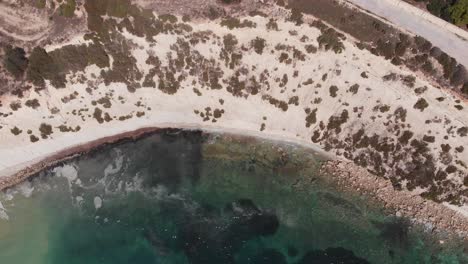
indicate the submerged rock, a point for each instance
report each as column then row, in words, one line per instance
column 332, row 255
column 216, row 239
column 269, row 256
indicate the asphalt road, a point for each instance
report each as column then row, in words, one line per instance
column 449, row 38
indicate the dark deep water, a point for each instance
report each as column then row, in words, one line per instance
column 188, row 197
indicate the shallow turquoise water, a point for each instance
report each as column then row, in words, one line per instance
column 170, row 198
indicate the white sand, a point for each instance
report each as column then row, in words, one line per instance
column 241, row 115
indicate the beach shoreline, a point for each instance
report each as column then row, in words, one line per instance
column 434, row 218
column 20, row 174
column 15, row 175
column 358, row 109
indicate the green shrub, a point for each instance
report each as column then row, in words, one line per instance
column 296, row 17
column 311, row 48
column 168, row 18
column 68, row 9
column 464, row 89
column 15, row 61
column 258, row 44
column 34, row 103
column 459, row 12
column 330, row 40
column 46, row 130
column 401, row 48
column 55, row 65
column 40, row 66
column 459, row 76
column 448, row 63
column 386, row 49
column 423, row 44
column 421, row 104
column 272, row 25
column 333, row 90
column 40, row 3
column 16, row 131
column 232, row 22
column 437, row 7
column 230, row 1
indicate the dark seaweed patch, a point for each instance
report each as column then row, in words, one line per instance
column 331, row 255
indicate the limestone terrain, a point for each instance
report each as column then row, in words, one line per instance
column 283, row 74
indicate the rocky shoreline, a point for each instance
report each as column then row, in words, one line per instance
column 328, row 90
column 436, row 218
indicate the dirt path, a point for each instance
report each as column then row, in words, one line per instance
column 26, row 25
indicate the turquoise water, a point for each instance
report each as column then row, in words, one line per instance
column 187, row 197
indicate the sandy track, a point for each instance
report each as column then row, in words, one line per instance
column 26, row 24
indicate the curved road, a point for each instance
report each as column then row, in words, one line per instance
column 449, row 38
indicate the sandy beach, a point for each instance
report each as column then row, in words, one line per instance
column 355, row 107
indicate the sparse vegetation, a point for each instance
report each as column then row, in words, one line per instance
column 168, row 18
column 64, row 128
column 277, row 103
column 232, row 22
column 294, row 100
column 40, row 4
column 54, row 66
column 186, row 66
column 208, row 114
column 230, row 1
column 408, row 80
column 272, row 25
column 464, row 89
column 335, row 122
column 67, row 8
